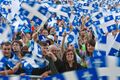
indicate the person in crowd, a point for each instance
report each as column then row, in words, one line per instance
column 30, row 65
column 44, row 32
column 68, row 62
column 25, row 37
column 90, row 45
column 54, row 49
column 9, row 59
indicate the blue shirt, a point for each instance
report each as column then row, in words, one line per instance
column 30, row 62
column 8, row 63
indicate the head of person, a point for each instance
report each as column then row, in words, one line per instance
column 69, row 56
column 6, row 48
column 44, row 32
column 28, row 35
column 25, row 50
column 44, row 48
column 70, row 47
column 90, row 47
column 53, row 49
column 52, row 31
column 83, row 32
column 16, row 46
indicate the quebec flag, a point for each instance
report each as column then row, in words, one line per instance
column 107, row 67
column 5, row 31
column 103, row 68
column 35, row 12
column 108, row 24
column 103, row 45
column 114, row 51
column 9, row 9
column 87, row 74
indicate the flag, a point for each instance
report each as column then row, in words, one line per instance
column 35, row 48
column 72, row 38
column 60, row 10
column 103, row 45
column 107, row 67
column 52, row 21
column 8, row 10
column 115, row 48
column 109, row 24
column 59, row 32
column 35, row 12
column 76, row 75
column 87, row 74
column 5, row 31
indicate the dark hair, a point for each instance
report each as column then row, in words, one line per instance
column 90, row 42
column 19, row 42
column 25, row 50
column 65, row 60
column 6, row 44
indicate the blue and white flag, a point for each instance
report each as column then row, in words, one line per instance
column 72, row 38
column 108, row 24
column 60, row 10
column 5, row 31
column 103, row 45
column 35, row 48
column 35, row 12
column 9, row 9
column 115, row 48
column 107, row 67
column 88, row 74
column 59, row 32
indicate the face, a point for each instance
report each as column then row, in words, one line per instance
column 82, row 33
column 6, row 49
column 44, row 50
column 45, row 32
column 28, row 36
column 52, row 30
column 16, row 47
column 54, row 50
column 70, row 47
column 90, row 48
column 85, row 40
column 70, row 56
column 55, row 37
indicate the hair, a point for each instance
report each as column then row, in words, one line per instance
column 66, row 62
column 25, row 50
column 92, row 43
column 6, row 44
column 19, row 42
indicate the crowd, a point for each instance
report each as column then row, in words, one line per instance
column 38, row 52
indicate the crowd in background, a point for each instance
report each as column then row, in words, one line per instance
column 22, row 56
column 38, row 53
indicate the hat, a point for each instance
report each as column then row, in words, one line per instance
column 50, row 37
